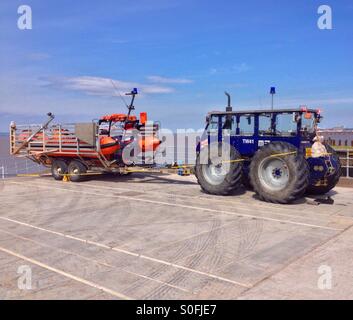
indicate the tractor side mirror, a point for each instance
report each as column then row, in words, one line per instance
column 207, row 119
column 249, row 120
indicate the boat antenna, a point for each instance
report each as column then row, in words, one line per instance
column 116, row 90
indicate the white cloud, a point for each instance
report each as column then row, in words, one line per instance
column 238, row 85
column 119, row 41
column 332, row 101
column 158, row 79
column 297, row 102
column 243, row 67
column 236, row 68
column 38, row 56
column 103, row 86
column 313, row 103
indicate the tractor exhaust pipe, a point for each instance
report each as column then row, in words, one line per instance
column 229, row 107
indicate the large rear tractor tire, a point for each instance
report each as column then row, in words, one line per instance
column 58, row 169
column 76, row 171
column 246, row 182
column 332, row 180
column 219, row 175
column 278, row 173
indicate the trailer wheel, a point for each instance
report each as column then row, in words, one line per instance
column 332, row 180
column 76, row 170
column 219, row 176
column 278, row 173
column 58, row 169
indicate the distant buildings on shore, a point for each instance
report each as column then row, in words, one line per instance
column 338, row 137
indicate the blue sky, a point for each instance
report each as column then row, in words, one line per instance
column 181, row 54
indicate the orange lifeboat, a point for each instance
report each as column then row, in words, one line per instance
column 109, row 145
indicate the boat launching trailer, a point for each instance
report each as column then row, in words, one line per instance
column 117, row 143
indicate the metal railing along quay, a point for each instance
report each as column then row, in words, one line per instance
column 13, row 167
column 346, row 157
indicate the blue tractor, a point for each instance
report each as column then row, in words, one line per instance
column 276, row 152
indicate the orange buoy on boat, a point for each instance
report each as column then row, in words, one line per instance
column 109, row 145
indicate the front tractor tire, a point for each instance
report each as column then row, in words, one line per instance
column 278, row 173
column 76, row 171
column 331, row 180
column 58, row 169
column 219, row 175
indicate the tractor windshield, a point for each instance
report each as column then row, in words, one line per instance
column 278, row 124
column 286, row 124
column 308, row 122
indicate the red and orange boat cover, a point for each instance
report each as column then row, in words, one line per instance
column 115, row 117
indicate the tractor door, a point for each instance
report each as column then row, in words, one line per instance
column 278, row 126
column 244, row 140
column 214, row 132
column 221, row 128
column 228, row 128
column 266, row 129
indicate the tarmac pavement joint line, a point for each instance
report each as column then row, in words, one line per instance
column 258, row 204
column 208, row 198
column 67, row 275
column 96, row 261
column 130, row 253
column 224, row 202
column 298, row 260
column 190, row 207
column 269, row 206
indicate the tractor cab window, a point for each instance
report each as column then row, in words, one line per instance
column 265, row 125
column 246, row 125
column 308, row 122
column 228, row 124
column 212, row 128
column 213, row 123
column 286, row 124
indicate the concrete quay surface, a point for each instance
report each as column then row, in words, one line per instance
column 157, row 236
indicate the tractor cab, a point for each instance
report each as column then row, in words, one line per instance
column 250, row 130
column 275, row 152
